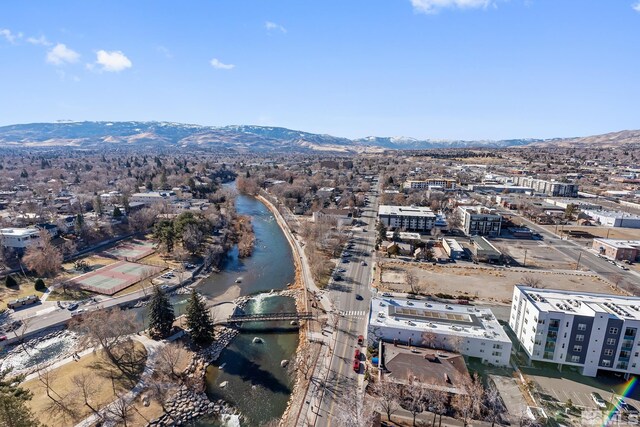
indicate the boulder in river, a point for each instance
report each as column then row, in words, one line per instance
column 224, row 384
column 257, row 340
column 284, row 363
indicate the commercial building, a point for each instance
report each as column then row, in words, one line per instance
column 408, row 218
column 613, row 218
column 480, row 221
column 587, row 330
column 484, row 251
column 550, row 188
column 471, row 331
column 444, row 183
column 151, row 197
column 343, row 217
column 578, row 203
column 452, row 248
column 501, row 188
column 619, row 250
column 19, row 238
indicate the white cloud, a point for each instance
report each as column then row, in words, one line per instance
column 41, row 41
column 215, row 63
column 433, row 6
column 166, row 52
column 61, row 54
column 636, row 6
column 10, row 36
column 113, row 61
column 272, row 26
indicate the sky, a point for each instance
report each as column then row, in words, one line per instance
column 439, row 69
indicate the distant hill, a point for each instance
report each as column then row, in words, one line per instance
column 607, row 140
column 245, row 138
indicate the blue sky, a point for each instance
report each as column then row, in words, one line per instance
column 468, row 69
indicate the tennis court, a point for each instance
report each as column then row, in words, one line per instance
column 115, row 277
column 131, row 251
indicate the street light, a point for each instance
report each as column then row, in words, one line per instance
column 524, row 263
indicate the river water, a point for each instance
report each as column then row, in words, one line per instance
column 257, row 385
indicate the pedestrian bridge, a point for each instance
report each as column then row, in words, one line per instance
column 268, row 317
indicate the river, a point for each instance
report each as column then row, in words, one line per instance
column 257, row 385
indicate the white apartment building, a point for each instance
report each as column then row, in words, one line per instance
column 445, row 183
column 153, row 197
column 588, row 330
column 480, row 221
column 409, row 218
column 452, row 248
column 19, row 238
column 471, row 331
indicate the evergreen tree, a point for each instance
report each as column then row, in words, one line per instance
column 39, row 285
column 199, row 320
column 14, row 411
column 11, row 282
column 161, row 314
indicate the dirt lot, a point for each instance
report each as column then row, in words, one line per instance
column 614, row 232
column 539, row 254
column 485, row 283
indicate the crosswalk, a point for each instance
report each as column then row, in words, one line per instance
column 354, row 313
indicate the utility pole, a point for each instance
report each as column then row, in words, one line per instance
column 579, row 256
column 524, row 263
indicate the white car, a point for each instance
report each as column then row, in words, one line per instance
column 599, row 401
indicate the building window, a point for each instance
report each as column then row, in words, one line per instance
column 611, row 341
column 575, row 359
column 608, row 352
column 577, row 348
column 582, row 326
column 579, row 338
column 498, row 346
column 496, row 353
column 613, row 331
column 606, row 362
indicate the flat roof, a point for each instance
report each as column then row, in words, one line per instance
column 439, row 318
column 418, row 211
column 582, row 303
column 611, row 214
column 484, row 244
column 18, row 232
column 619, row 243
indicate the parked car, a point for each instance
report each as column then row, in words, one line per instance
column 356, row 365
column 363, row 263
column 360, row 339
column 599, row 401
column 3, row 337
column 359, row 297
column 356, row 355
column 72, row 306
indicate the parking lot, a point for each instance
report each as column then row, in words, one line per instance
column 559, row 387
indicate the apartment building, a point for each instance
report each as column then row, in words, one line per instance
column 550, row 188
column 19, row 239
column 444, row 183
column 587, row 330
column 408, row 218
column 151, row 197
column 471, row 331
column 480, row 221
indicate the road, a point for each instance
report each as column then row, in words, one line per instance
column 351, row 298
column 627, row 280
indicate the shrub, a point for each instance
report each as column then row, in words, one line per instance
column 11, row 282
column 40, row 286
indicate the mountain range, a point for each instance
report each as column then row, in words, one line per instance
column 253, row 138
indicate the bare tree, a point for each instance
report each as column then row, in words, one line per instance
column 439, row 404
column 387, row 397
column 495, row 406
column 531, row 281
column 354, row 410
column 120, row 411
column 87, row 388
column 44, row 258
column 60, row 405
column 468, row 403
column 304, row 360
column 414, row 396
column 170, row 357
column 429, row 339
column 106, row 328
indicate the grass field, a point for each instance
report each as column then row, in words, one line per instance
column 61, row 379
column 25, row 288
